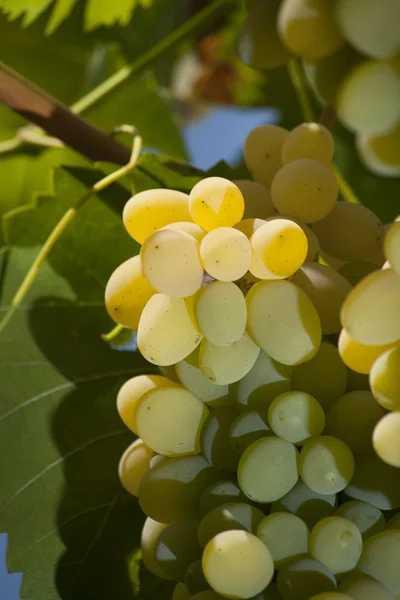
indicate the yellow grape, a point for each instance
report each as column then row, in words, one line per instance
column 183, row 412
column 132, row 391
column 312, row 240
column 336, row 232
column 309, row 29
column 134, row 463
column 257, row 199
column 308, row 140
column 371, row 312
column 279, row 249
column 359, row 357
column 150, row 210
column 225, row 253
column 157, row 335
column 127, row 293
column 225, row 365
column 283, row 321
column 187, row 227
column 386, row 439
column 391, row 247
column 216, row 202
column 327, row 290
column 249, row 226
column 381, row 153
column 259, row 44
column 371, row 26
column 368, row 99
column 171, row 263
column 384, row 379
column 262, row 152
column 221, row 313
column 305, row 189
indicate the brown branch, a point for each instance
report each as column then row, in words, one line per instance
column 35, row 105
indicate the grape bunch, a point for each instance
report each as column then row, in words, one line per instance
column 267, row 458
column 351, row 54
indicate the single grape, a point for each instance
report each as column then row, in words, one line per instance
column 237, row 564
column 384, row 379
column 257, row 199
column 127, row 293
column 133, row 465
column 181, row 592
column 150, row 210
column 285, row 535
column 359, row 357
column 380, row 559
column 375, row 482
column 356, row 270
column 183, row 412
column 304, row 189
column 187, row 227
column 283, row 321
column 225, row 253
column 215, row 202
column 304, row 577
column 386, row 439
column 151, row 531
column 268, row 469
column 337, row 543
column 226, row 364
column 239, row 516
column 326, row 464
column 262, row 152
column 380, row 153
column 308, row 140
column 296, row 417
column 368, row 518
column 363, row 587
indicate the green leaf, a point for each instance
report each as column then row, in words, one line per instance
column 104, row 12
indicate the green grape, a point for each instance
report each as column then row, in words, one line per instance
column 308, row 140
column 225, row 253
column 370, row 313
column 283, row 321
column 327, row 290
column 257, row 199
column 359, row 357
column 177, row 547
column 214, row 440
column 268, row 469
column 171, row 263
column 309, row 29
column 220, row 492
column 336, row 232
column 279, row 248
column 358, row 408
column 356, row 270
column 262, row 152
column 386, row 439
column 150, row 210
column 326, row 464
column 132, row 391
column 215, row 202
column 192, row 378
column 181, row 592
column 296, row 417
column 227, row 517
column 327, row 74
column 134, row 464
column 285, row 535
column 380, row 559
column 371, row 26
column 305, row 189
column 183, row 412
column 224, row 365
column 304, row 577
column 368, row 518
column 249, row 226
column 356, row 381
column 161, row 318
column 266, row 379
column 170, row 490
column 194, row 578
column 248, row 427
column 259, row 44
column 221, row 313
column 207, row 595
column 368, row 98
column 237, row 564
column 375, row 482
column 306, row 504
column 151, row 531
column 384, row 379
column 270, row 593
column 337, row 543
column 380, row 153
column 331, row 596
column 187, row 227
column 363, row 587
column 324, row 376
column 127, row 293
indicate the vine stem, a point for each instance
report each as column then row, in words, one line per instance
column 189, row 28
column 61, row 227
column 328, row 118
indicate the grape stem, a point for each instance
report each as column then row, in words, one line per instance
column 63, row 224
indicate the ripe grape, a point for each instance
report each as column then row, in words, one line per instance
column 296, row 417
column 225, row 253
column 257, row 199
column 384, row 379
column 133, row 465
column 368, row 518
column 304, row 577
column 215, row 202
column 226, row 364
column 386, row 439
column 337, row 543
column 233, row 515
column 326, row 464
column 308, row 505
column 380, row 559
column 308, row 140
column 263, row 152
column 285, row 535
column 363, row 587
